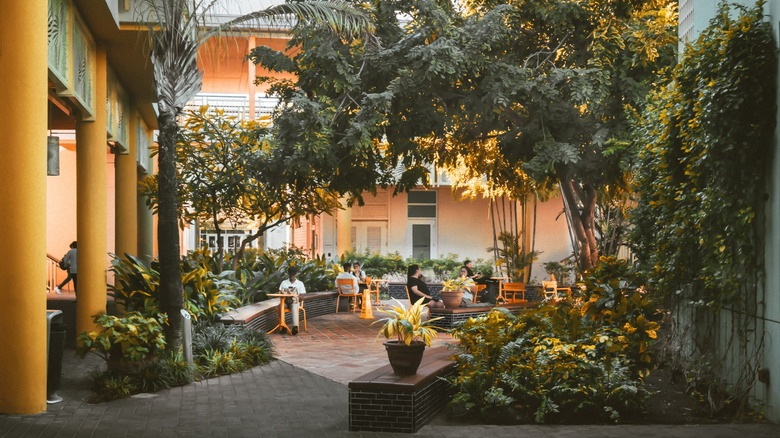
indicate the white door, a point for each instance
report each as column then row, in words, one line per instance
column 421, row 238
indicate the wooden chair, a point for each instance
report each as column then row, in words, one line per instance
column 346, row 288
column 300, row 309
column 509, row 291
column 477, row 289
column 411, row 303
column 550, row 289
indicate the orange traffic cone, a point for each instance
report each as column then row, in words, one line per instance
column 366, row 312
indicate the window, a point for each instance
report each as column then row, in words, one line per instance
column 421, row 204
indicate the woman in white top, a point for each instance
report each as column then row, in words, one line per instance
column 293, row 282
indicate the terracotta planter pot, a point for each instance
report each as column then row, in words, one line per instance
column 405, row 359
column 451, row 298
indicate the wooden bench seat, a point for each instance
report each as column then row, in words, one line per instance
column 382, row 401
column 264, row 315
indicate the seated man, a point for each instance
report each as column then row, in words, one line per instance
column 348, row 275
column 292, row 282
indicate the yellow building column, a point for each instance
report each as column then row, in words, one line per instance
column 145, row 215
column 126, row 183
column 91, row 211
column 344, row 228
column 23, row 87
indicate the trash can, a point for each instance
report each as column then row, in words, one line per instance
column 55, row 332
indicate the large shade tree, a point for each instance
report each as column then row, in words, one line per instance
column 528, row 94
column 177, row 29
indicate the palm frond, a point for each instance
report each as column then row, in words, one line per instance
column 342, row 16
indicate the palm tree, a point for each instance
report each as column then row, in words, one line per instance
column 176, row 30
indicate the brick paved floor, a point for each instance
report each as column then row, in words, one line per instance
column 300, row 395
column 339, row 346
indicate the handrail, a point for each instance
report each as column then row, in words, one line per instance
column 52, row 267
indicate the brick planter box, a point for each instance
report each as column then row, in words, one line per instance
column 381, row 401
column 451, row 318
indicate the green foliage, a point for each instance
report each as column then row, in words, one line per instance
column 135, row 285
column 206, row 294
column 123, row 340
column 378, row 265
column 375, row 264
column 706, row 140
column 224, row 349
column 217, row 349
column 407, row 325
column 572, row 361
column 511, row 254
column 523, row 94
column 118, row 387
column 561, row 271
column 260, row 272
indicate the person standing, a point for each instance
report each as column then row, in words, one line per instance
column 293, row 282
column 70, row 262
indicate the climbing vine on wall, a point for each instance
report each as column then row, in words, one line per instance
column 706, row 141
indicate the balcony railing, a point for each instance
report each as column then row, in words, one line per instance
column 235, row 105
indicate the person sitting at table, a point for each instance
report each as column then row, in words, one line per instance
column 360, row 275
column 347, row 274
column 469, row 266
column 418, row 289
column 467, row 285
column 293, row 282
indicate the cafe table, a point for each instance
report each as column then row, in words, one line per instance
column 282, row 324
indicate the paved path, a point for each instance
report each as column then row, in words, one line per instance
column 286, row 399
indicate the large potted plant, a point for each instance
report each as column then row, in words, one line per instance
column 408, row 336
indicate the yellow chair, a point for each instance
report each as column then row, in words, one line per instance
column 513, row 289
column 346, row 288
column 300, row 309
column 477, row 289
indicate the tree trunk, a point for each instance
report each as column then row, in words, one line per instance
column 582, row 222
column 220, row 244
column 240, row 253
column 171, row 293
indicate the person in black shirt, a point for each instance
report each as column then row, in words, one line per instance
column 471, row 273
column 418, row 289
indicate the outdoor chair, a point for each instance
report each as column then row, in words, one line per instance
column 477, row 289
column 300, row 309
column 411, row 303
column 509, row 291
column 550, row 289
column 346, row 288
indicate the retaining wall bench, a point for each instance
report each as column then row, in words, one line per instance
column 264, row 315
column 382, row 401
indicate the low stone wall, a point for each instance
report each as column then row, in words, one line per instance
column 398, row 290
column 264, row 316
column 451, row 318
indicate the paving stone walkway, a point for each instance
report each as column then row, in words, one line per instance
column 301, row 395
